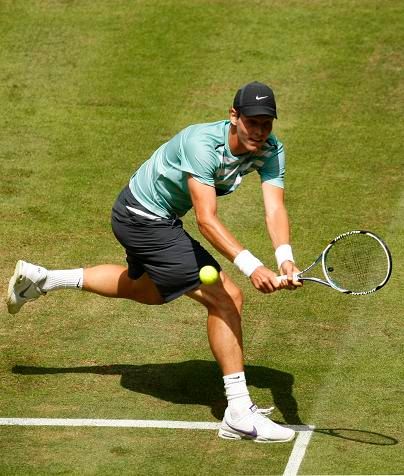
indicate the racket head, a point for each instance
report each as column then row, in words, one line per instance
column 357, row 262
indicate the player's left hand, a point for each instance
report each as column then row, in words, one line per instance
column 289, row 268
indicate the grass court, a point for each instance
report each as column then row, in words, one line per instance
column 88, row 90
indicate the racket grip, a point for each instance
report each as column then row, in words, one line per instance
column 285, row 276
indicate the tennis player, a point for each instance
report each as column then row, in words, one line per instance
column 199, row 164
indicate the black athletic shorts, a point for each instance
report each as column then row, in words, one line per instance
column 158, row 246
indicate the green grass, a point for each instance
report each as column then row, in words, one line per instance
column 87, row 91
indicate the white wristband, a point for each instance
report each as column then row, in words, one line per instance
column 246, row 262
column 283, row 253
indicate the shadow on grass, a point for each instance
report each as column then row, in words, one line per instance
column 192, row 382
column 359, row 436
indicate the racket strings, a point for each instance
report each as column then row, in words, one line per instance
column 357, row 263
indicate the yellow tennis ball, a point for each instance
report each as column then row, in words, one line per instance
column 208, row 275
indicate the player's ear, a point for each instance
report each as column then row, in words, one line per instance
column 234, row 115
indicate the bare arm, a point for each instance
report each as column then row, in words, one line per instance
column 276, row 215
column 205, row 207
column 277, row 222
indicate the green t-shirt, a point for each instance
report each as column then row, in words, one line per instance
column 201, row 150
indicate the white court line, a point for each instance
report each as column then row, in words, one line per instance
column 120, row 423
column 189, row 425
column 299, row 450
column 302, row 441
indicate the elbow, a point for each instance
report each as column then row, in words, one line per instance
column 205, row 224
column 269, row 215
column 275, row 214
column 274, row 211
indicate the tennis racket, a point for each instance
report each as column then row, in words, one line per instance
column 357, row 262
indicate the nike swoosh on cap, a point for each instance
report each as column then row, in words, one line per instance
column 258, row 98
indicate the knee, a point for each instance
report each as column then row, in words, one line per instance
column 229, row 300
column 237, row 297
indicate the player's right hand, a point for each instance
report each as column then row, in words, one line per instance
column 265, row 280
column 290, row 270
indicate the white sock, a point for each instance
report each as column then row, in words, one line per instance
column 63, row 279
column 238, row 398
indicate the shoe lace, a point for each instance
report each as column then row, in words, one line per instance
column 265, row 411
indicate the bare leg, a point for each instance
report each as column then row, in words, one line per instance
column 112, row 280
column 223, row 301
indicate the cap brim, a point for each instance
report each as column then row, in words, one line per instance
column 258, row 111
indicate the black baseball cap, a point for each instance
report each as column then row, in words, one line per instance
column 255, row 99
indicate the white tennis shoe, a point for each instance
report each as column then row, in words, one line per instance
column 254, row 426
column 24, row 286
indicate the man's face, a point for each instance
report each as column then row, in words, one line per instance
column 252, row 131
